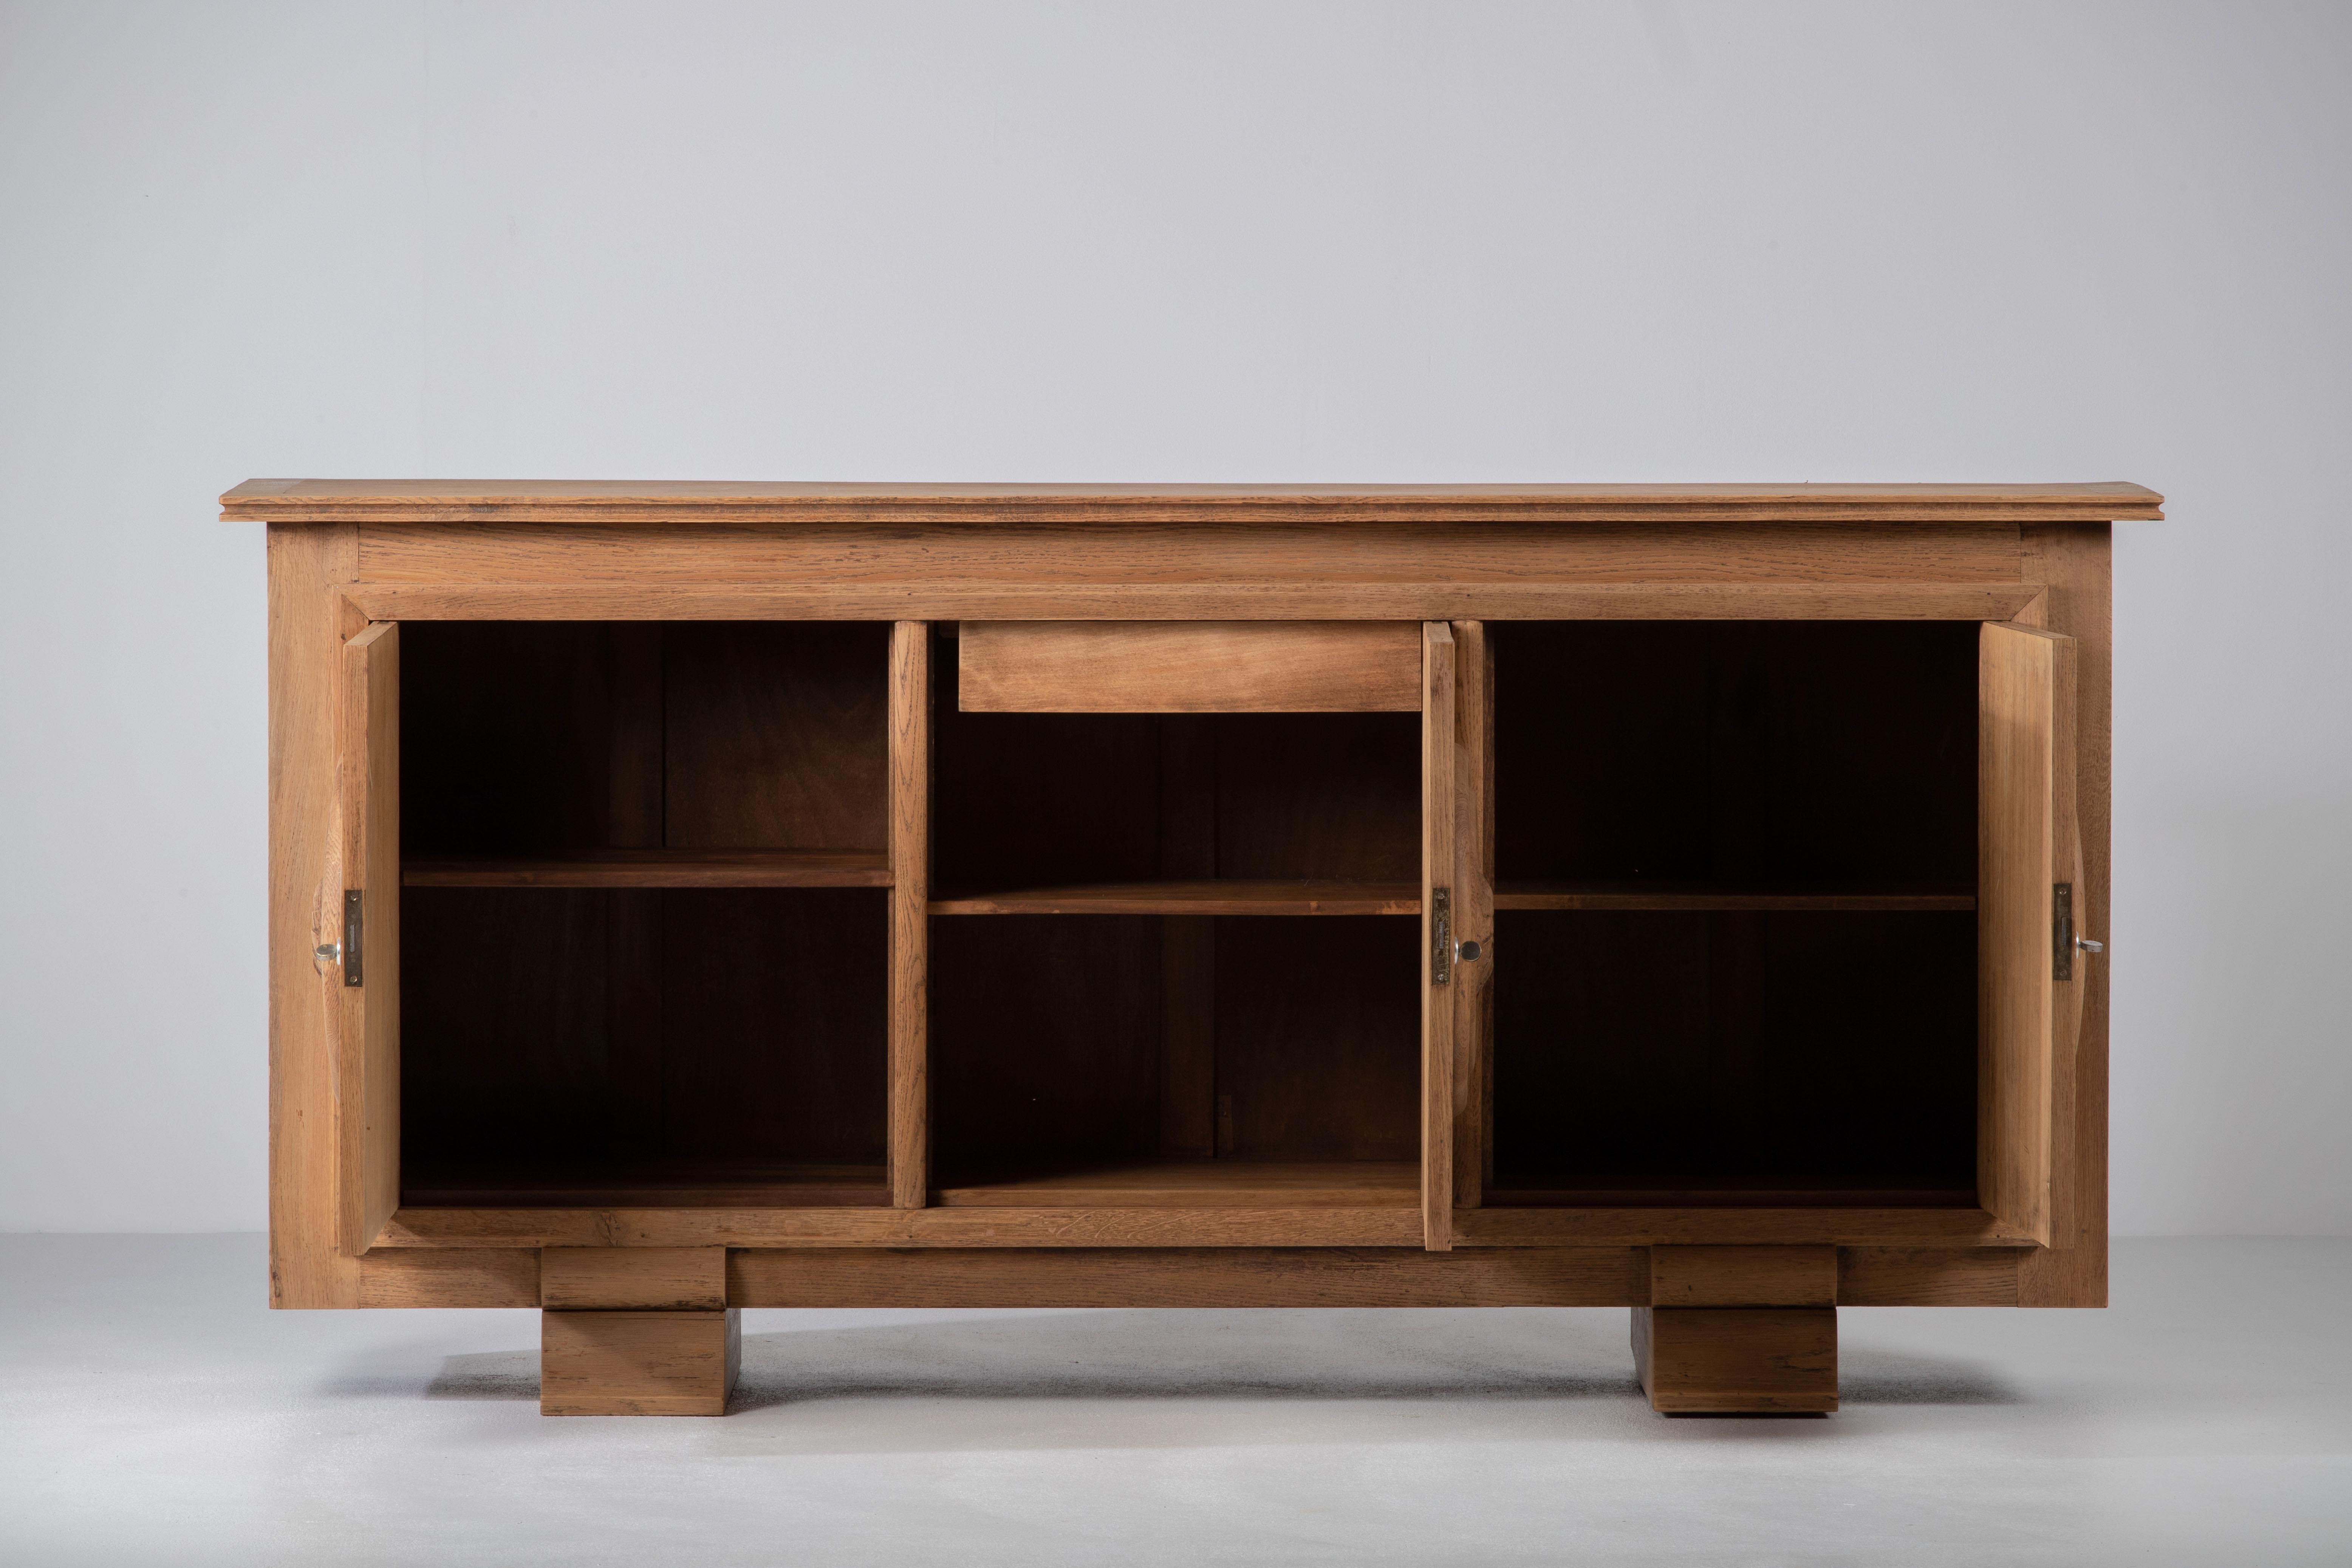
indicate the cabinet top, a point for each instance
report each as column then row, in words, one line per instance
column 702, row 501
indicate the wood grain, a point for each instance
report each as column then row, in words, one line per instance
column 910, row 861
column 483, row 501
column 1499, row 1226
column 480, row 1277
column 655, row 868
column 2024, row 673
column 1082, row 1228
column 1743, row 1276
column 1474, row 908
column 1199, row 1183
column 1232, row 896
column 1931, row 1277
column 307, row 569
column 1188, row 667
column 367, row 1037
column 463, row 599
column 639, row 1363
column 1441, row 873
column 1180, row 1276
column 2073, row 1270
column 645, row 1277
column 1738, row 1361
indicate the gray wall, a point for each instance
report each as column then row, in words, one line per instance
column 1183, row 241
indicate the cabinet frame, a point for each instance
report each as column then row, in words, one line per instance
column 340, row 562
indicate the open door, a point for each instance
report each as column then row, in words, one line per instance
column 1440, row 879
column 367, row 1021
column 2025, row 826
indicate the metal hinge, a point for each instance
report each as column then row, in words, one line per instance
column 352, row 898
column 1441, row 935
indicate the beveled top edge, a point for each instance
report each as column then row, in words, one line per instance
column 328, row 500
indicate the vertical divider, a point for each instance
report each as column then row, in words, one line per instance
column 910, row 891
column 1440, row 857
column 1474, row 907
column 1187, row 852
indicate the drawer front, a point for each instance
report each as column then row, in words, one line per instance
column 1190, row 666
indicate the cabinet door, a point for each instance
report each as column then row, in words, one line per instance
column 1440, row 879
column 2025, row 830
column 367, row 1020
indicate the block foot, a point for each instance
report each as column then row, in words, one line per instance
column 639, row 1363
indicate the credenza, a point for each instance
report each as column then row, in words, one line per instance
column 687, row 896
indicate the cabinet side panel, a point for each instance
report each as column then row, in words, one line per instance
column 2074, row 560
column 307, row 566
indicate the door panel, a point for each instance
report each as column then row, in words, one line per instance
column 1440, row 879
column 367, row 1044
column 1474, row 908
column 2024, row 852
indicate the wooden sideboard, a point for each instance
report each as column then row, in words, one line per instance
column 691, row 897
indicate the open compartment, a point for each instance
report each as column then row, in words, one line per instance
column 1736, row 870
column 1176, row 813
column 591, row 1047
column 1129, row 1061
column 642, row 931
column 707, row 754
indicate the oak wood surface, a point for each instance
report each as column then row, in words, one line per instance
column 2025, row 674
column 307, row 569
column 1199, row 1183
column 1082, row 1228
column 639, row 1363
column 1743, row 1276
column 641, row 1278
column 1219, row 896
column 1178, row 1277
column 1931, row 1277
column 656, row 867
column 315, row 500
column 909, row 816
column 1188, row 667
column 1738, row 1361
column 625, row 1182
column 1473, row 909
column 2073, row 1270
column 367, row 1035
column 1440, row 875
column 474, row 1277
column 1326, row 598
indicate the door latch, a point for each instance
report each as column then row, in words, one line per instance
column 1441, row 935
column 2063, row 944
column 353, row 922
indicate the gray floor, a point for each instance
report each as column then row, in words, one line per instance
column 152, row 1412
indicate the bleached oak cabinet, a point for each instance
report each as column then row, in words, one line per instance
column 687, row 896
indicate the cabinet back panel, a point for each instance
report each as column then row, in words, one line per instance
column 1786, row 752
column 1832, row 1047
column 777, row 735
column 507, row 736
column 1319, row 795
column 1318, row 1038
column 540, row 736
column 586, row 1031
column 1045, row 1038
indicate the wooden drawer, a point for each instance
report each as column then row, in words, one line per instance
column 1190, row 666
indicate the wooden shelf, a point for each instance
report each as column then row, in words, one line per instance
column 1871, row 1192
column 1698, row 897
column 1198, row 898
column 662, row 1184
column 1196, row 1184
column 655, row 868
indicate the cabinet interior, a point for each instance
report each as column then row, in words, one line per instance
column 1735, row 864
column 1174, row 959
